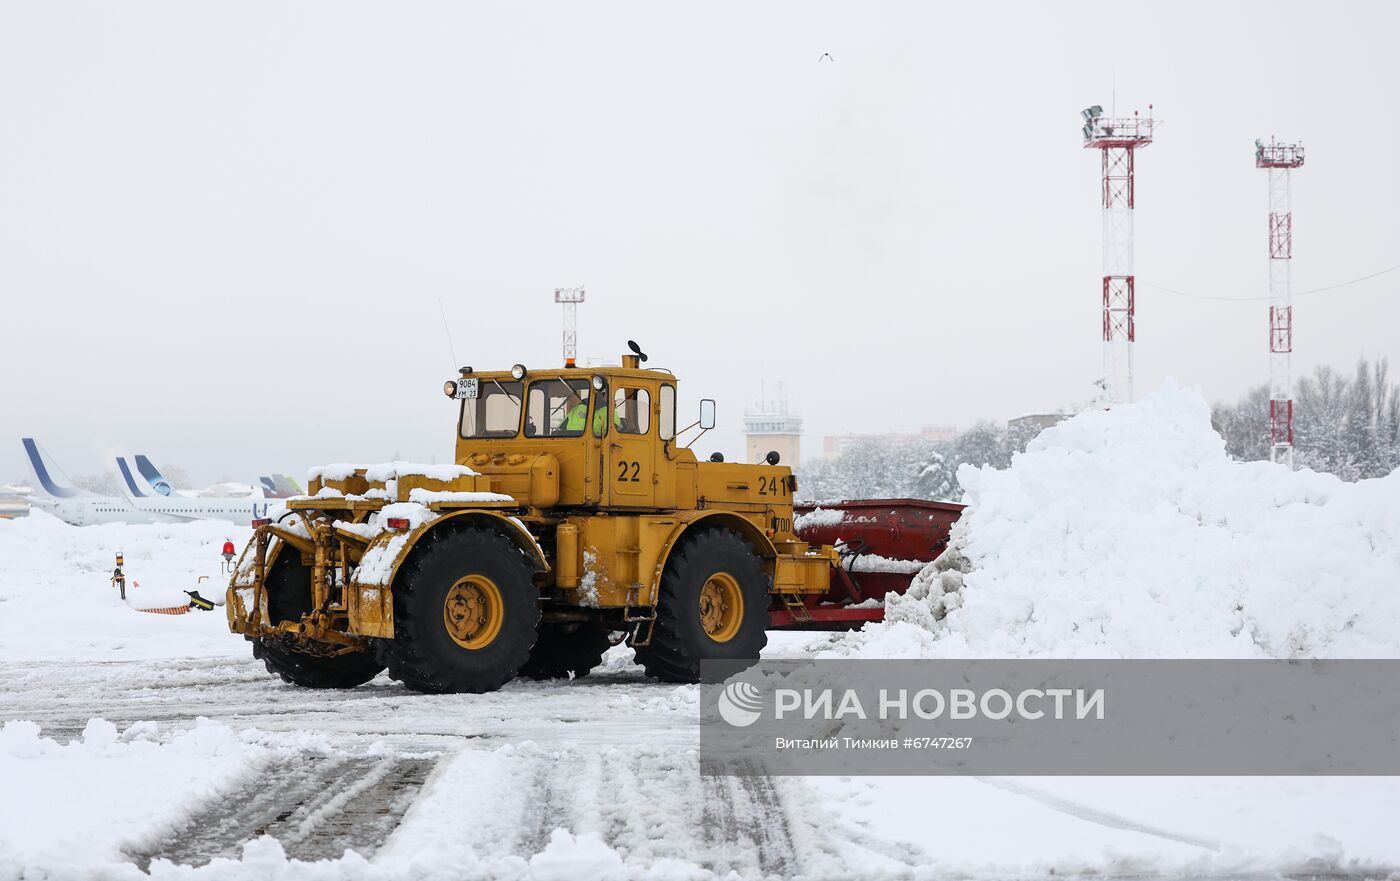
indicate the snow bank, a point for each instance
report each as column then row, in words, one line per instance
column 73, row 807
column 57, row 599
column 1130, row 533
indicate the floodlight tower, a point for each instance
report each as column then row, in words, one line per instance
column 1118, row 140
column 570, row 297
column 1280, row 160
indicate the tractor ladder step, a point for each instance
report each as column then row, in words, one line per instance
column 796, row 608
column 642, row 619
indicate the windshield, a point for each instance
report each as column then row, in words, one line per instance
column 557, row 408
column 495, row 412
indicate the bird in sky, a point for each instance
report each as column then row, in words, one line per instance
column 825, row 56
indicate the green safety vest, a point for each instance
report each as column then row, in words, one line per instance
column 578, row 418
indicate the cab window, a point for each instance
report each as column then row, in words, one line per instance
column 632, row 410
column 494, row 412
column 557, row 408
column 666, row 419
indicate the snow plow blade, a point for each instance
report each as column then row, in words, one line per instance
column 883, row 544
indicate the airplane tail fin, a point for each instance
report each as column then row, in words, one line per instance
column 286, row 486
column 279, row 486
column 132, row 487
column 153, row 476
column 52, row 481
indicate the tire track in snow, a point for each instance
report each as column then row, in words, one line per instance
column 646, row 804
column 1093, row 815
column 746, row 827
column 317, row 807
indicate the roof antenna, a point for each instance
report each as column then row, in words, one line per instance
column 451, row 349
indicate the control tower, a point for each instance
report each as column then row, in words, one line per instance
column 769, row 425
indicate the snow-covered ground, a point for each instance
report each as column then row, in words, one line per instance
column 134, row 740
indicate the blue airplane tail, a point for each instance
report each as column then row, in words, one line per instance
column 132, row 489
column 50, row 483
column 153, row 476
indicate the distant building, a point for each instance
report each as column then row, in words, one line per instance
column 13, row 502
column 1024, row 429
column 769, row 425
column 835, row 445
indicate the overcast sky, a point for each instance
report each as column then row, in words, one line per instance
column 224, row 229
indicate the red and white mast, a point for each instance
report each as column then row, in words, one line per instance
column 1280, row 160
column 570, row 298
column 1117, row 139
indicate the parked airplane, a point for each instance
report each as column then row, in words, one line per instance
column 277, row 486
column 142, row 495
column 57, row 495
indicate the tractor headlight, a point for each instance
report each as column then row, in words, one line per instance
column 598, row 382
column 449, row 388
column 518, row 371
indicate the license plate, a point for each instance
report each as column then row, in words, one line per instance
column 468, row 388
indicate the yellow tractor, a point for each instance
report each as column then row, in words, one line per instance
column 574, row 515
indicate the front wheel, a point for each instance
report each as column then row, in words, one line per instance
column 465, row 614
column 713, row 605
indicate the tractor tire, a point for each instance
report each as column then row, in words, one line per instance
column 314, row 671
column 713, row 605
column 466, row 614
column 561, row 652
column 288, row 586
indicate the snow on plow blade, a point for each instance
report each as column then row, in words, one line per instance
column 883, row 544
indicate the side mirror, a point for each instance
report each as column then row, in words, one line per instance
column 707, row 413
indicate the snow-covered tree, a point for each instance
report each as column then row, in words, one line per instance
column 904, row 467
column 1350, row 428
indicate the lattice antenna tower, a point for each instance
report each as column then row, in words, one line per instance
column 570, row 298
column 1280, row 160
column 1118, row 139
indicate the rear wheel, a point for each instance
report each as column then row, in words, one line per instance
column 288, row 585
column 713, row 605
column 465, row 614
column 561, row 651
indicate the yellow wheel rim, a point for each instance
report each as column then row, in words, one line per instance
column 473, row 612
column 721, row 607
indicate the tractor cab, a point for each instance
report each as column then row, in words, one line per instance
column 567, row 437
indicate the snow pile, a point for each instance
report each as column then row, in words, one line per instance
column 75, row 806
column 1129, row 533
column 57, row 599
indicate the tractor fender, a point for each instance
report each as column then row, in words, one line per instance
column 239, row 595
column 761, row 543
column 397, row 546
